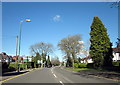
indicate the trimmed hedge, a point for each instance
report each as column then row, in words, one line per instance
column 13, row 65
column 80, row 65
column 22, row 65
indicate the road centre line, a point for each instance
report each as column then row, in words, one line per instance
column 61, row 82
column 55, row 76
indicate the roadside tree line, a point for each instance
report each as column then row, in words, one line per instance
column 100, row 47
column 41, row 55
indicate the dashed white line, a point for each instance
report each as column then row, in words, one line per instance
column 55, row 76
column 61, row 82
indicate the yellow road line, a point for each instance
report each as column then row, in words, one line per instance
column 17, row 76
column 14, row 77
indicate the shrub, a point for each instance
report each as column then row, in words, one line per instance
column 5, row 65
column 90, row 65
column 80, row 65
column 29, row 64
column 11, row 69
column 116, row 63
column 76, row 65
column 13, row 65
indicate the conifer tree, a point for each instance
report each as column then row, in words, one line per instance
column 48, row 62
column 101, row 47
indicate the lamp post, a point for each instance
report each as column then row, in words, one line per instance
column 27, row 20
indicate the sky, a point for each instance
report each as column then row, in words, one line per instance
column 53, row 21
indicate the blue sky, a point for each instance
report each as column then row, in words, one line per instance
column 51, row 22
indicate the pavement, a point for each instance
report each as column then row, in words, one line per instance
column 56, row 75
column 7, row 75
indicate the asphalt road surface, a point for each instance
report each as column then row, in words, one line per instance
column 56, row 75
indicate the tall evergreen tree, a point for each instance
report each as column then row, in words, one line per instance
column 101, row 47
column 48, row 62
column 36, row 58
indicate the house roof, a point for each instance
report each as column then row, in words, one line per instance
column 85, row 58
column 4, row 55
column 117, row 50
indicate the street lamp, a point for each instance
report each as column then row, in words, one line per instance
column 27, row 20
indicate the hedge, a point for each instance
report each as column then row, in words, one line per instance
column 15, row 65
column 90, row 65
column 80, row 65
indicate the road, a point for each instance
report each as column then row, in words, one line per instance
column 56, row 75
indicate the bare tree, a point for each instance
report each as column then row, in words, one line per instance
column 116, row 4
column 55, row 61
column 118, row 42
column 85, row 49
column 71, row 46
column 41, row 48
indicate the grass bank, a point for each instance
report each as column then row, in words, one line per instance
column 83, row 69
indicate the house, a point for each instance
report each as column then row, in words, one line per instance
column 87, row 59
column 1, row 57
column 116, row 54
column 5, row 58
column 27, row 59
column 14, row 58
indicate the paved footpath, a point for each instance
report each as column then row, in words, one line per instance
column 13, row 73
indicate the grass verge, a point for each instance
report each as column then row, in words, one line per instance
column 82, row 69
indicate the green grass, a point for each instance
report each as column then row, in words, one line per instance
column 80, row 69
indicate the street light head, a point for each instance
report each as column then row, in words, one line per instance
column 28, row 20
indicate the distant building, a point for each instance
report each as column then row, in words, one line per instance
column 27, row 59
column 5, row 58
column 87, row 59
column 14, row 58
column 116, row 54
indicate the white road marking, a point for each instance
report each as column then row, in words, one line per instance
column 55, row 76
column 61, row 82
column 52, row 70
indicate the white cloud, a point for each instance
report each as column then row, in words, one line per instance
column 57, row 18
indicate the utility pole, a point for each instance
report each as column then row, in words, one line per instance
column 16, row 51
column 27, row 62
column 16, row 45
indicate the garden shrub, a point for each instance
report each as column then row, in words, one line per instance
column 90, row 65
column 80, row 65
column 116, row 63
column 76, row 65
